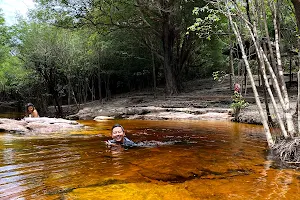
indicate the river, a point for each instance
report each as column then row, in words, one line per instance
column 185, row 160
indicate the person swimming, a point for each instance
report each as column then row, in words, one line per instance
column 119, row 138
column 31, row 111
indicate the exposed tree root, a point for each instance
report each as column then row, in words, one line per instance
column 288, row 151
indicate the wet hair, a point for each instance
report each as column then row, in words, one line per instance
column 117, row 125
column 29, row 104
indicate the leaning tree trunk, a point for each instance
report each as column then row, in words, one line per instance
column 259, row 53
column 232, row 77
column 272, row 58
column 261, row 112
column 270, row 121
column 288, row 112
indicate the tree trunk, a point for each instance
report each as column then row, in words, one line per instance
column 168, row 45
column 289, row 116
column 265, row 78
column 107, row 89
column 69, row 93
column 262, row 114
column 246, row 82
column 99, row 84
column 99, row 76
column 153, row 71
column 232, row 77
column 298, row 101
column 270, row 121
column 75, row 100
column 248, row 10
column 296, row 4
column 56, row 100
column 86, row 80
column 261, row 60
column 271, row 52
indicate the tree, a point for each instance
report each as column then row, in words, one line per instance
column 42, row 52
column 12, row 74
column 165, row 21
column 296, row 4
column 249, row 29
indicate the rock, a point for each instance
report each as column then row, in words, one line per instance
column 118, row 110
column 101, row 118
column 49, row 120
column 38, row 125
column 171, row 115
column 10, row 127
column 73, row 117
column 12, row 121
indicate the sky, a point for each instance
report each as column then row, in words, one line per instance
column 10, row 8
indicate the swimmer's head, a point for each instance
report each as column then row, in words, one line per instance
column 29, row 107
column 118, row 133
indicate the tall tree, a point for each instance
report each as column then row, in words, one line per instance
column 12, row 75
column 41, row 50
column 166, row 21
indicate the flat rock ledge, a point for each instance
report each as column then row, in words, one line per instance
column 41, row 125
column 153, row 113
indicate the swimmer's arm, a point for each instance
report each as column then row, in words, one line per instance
column 130, row 143
column 109, row 143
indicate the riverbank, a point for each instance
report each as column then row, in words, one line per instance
column 202, row 100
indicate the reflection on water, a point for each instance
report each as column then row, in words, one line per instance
column 192, row 160
column 10, row 111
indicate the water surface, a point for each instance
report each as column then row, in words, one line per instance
column 193, row 160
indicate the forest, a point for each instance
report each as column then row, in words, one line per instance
column 72, row 52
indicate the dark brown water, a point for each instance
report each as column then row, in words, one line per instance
column 193, row 160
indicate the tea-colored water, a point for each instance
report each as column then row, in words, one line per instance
column 194, row 160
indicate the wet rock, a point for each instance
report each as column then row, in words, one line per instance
column 171, row 115
column 13, row 128
column 50, row 120
column 155, row 113
column 38, row 125
column 12, row 121
column 101, row 118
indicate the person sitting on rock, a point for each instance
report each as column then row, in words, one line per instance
column 118, row 137
column 31, row 111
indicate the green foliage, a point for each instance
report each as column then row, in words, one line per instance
column 4, row 39
column 207, row 23
column 147, row 23
column 238, row 103
column 210, row 25
column 203, row 26
column 219, row 75
column 97, row 14
column 12, row 73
